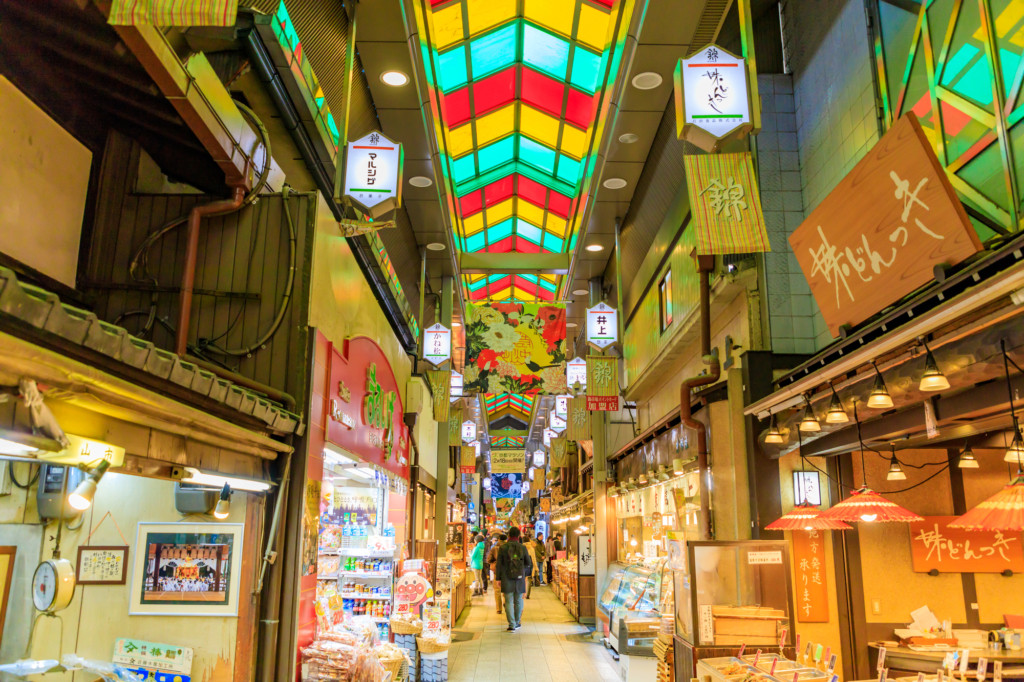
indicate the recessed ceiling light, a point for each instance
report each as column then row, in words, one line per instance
column 595, row 247
column 435, row 246
column 648, row 80
column 420, row 181
column 614, row 183
column 570, row 325
column 395, row 79
column 580, row 292
column 628, row 138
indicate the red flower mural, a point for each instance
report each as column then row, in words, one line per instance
column 554, row 324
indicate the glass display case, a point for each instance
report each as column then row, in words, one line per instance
column 632, row 604
column 731, row 594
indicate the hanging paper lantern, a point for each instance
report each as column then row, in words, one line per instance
column 806, row 517
column 1002, row 511
column 868, row 506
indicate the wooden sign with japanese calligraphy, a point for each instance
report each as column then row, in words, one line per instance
column 578, row 419
column 811, row 590
column 467, row 459
column 878, row 235
column 602, row 383
column 933, row 544
column 440, row 384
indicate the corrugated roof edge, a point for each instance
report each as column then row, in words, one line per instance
column 43, row 309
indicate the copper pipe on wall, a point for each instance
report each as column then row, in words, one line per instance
column 705, row 264
column 188, row 278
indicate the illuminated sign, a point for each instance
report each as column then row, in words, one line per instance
column 712, row 97
column 373, row 174
column 437, row 344
column 85, row 452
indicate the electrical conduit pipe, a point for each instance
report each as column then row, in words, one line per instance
column 710, row 357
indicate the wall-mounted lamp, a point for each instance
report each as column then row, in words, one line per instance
column 81, row 498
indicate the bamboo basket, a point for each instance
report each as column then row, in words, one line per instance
column 401, row 627
column 395, row 667
column 430, row 646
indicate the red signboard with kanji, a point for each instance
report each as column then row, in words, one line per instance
column 811, row 577
column 933, row 544
column 364, row 411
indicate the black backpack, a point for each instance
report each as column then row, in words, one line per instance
column 515, row 560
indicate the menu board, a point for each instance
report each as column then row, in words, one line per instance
column 443, row 583
column 455, row 542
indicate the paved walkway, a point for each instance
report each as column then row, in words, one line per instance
column 538, row 652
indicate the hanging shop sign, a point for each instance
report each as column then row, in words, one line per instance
column 545, row 505
column 556, row 423
column 467, row 459
column 508, row 486
column 586, row 555
column 549, row 435
column 712, row 97
column 373, row 174
column 365, row 410
column 85, row 452
column 440, row 382
column 725, row 204
column 602, row 383
column 880, row 233
column 559, row 450
column 508, row 461
column 579, row 420
column 468, row 431
column 507, row 343
column 538, row 458
column 811, row 576
column 455, row 425
column 576, row 372
column 437, row 344
column 456, row 390
column 602, row 326
column 934, row 545
column 562, row 406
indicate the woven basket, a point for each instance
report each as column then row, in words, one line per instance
column 430, row 646
column 394, row 666
column 402, row 627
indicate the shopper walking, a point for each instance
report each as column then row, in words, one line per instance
column 476, row 562
column 551, row 555
column 514, row 566
column 531, row 550
column 492, row 561
column 541, row 553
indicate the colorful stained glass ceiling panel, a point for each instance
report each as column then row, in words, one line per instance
column 518, row 402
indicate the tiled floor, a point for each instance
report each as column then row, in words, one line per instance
column 538, row 652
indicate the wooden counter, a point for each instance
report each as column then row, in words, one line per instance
column 903, row 660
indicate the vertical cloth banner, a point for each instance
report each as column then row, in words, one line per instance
column 602, row 383
column 173, row 12
column 455, row 425
column 725, row 204
column 467, row 459
column 515, row 348
column 811, row 578
column 440, row 386
column 579, row 419
column 559, row 457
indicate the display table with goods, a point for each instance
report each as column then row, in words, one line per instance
column 756, row 667
column 731, row 597
column 352, row 651
column 902, row 660
column 460, row 592
column 565, row 583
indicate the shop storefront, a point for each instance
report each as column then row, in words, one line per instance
column 573, row 569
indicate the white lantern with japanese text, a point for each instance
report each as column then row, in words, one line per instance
column 373, row 174
column 468, row 431
column 712, row 97
column 576, row 372
column 557, row 424
column 437, row 344
column 602, row 326
column 456, row 389
column 538, row 458
column 562, row 406
column 548, row 435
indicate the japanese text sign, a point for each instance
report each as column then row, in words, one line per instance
column 373, row 174
column 933, row 544
column 86, row 452
column 725, row 204
column 602, row 383
column 576, row 372
column 467, row 459
column 136, row 653
column 508, row 461
column 579, row 419
column 602, row 325
column 437, row 344
column 879, row 234
column 456, row 386
column 562, row 405
column 556, row 423
column 811, row 589
column 712, row 97
column 468, row 431
column 549, row 434
column 538, row 458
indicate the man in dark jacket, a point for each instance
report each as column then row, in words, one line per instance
column 514, row 567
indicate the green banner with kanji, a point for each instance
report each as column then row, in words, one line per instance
column 725, row 204
column 578, row 420
column 558, row 453
column 440, row 387
column 455, row 425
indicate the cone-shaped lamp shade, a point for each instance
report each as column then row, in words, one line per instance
column 809, row 423
column 967, row 459
column 867, row 505
column 806, row 517
column 836, row 412
column 933, row 379
column 1002, row 511
column 774, row 435
column 879, row 397
column 896, row 472
column 1015, row 453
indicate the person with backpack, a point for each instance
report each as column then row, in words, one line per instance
column 514, row 567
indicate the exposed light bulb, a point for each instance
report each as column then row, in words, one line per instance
column 868, row 517
column 223, row 507
column 933, row 379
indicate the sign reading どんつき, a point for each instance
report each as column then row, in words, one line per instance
column 365, row 414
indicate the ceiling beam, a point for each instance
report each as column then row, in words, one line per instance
column 514, row 263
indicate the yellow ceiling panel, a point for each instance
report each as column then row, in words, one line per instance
column 495, row 125
column 555, row 225
column 483, row 14
column 473, row 223
column 540, row 127
column 528, row 211
column 574, row 141
column 460, row 140
column 447, row 25
column 499, row 212
column 593, row 28
column 503, row 294
column 555, row 14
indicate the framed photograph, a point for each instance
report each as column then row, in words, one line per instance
column 186, row 569
column 102, row 565
column 807, row 487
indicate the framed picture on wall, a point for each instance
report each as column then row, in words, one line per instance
column 98, row 565
column 186, row 569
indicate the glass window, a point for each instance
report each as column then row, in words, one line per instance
column 665, row 300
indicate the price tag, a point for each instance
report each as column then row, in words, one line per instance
column 742, row 648
column 982, row 668
column 948, row 660
column 997, row 671
column 796, row 647
column 828, row 652
column 920, row 677
column 775, row 662
column 796, row 677
column 807, row 651
column 964, row 659
column 817, row 653
column 883, row 674
column 833, row 659
column 782, row 637
column 881, row 658
column 757, row 656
